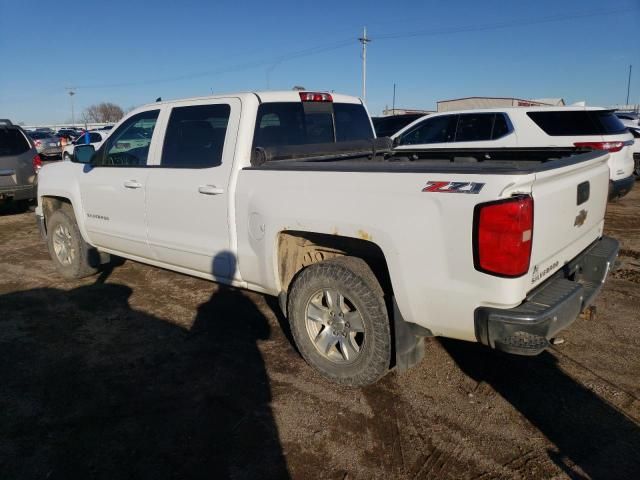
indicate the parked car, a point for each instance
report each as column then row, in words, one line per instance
column 67, row 133
column 19, row 164
column 96, row 137
column 629, row 119
column 289, row 194
column 387, row 126
column 573, row 128
column 47, row 144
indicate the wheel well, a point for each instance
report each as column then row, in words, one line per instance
column 50, row 204
column 297, row 250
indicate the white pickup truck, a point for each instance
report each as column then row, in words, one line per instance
column 368, row 250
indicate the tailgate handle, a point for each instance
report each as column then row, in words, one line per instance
column 583, row 193
column 5, row 172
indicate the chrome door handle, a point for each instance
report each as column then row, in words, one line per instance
column 132, row 184
column 210, row 190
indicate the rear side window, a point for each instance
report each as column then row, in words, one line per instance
column 12, row 142
column 195, row 136
column 432, row 130
column 298, row 123
column 500, row 126
column 590, row 122
column 474, row 126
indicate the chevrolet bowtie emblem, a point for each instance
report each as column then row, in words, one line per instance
column 580, row 218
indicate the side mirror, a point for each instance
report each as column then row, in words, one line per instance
column 396, row 141
column 83, row 154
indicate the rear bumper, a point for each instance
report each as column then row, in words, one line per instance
column 527, row 328
column 619, row 188
column 51, row 152
column 17, row 192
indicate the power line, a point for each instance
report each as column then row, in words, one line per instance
column 274, row 62
column 234, row 68
column 499, row 25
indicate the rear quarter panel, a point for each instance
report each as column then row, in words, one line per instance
column 426, row 237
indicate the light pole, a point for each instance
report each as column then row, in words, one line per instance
column 71, row 91
column 628, row 84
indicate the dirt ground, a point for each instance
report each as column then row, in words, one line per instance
column 145, row 373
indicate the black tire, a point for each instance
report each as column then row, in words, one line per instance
column 351, row 277
column 84, row 258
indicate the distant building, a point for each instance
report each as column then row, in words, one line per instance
column 402, row 111
column 469, row 103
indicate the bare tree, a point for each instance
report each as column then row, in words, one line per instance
column 102, row 112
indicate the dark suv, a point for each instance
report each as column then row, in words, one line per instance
column 19, row 165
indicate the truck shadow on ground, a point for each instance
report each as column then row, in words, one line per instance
column 92, row 388
column 585, row 429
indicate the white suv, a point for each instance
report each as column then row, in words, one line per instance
column 95, row 138
column 574, row 128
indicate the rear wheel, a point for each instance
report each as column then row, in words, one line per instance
column 71, row 255
column 339, row 321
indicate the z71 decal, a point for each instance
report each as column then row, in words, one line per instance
column 453, row 187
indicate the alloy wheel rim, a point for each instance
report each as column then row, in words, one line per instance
column 335, row 326
column 63, row 245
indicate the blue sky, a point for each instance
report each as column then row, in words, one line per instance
column 131, row 52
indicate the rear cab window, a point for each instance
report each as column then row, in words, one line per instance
column 303, row 123
column 12, row 142
column 578, row 122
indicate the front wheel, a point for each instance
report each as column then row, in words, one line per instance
column 71, row 255
column 339, row 321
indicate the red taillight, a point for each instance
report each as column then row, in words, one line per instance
column 37, row 163
column 502, row 236
column 611, row 147
column 315, row 97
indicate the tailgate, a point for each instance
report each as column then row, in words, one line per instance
column 9, row 170
column 16, row 169
column 569, row 208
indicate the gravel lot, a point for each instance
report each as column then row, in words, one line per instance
column 145, row 373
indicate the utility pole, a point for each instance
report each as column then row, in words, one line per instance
column 364, row 40
column 393, row 108
column 628, row 85
column 71, row 92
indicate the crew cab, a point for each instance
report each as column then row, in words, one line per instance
column 368, row 250
column 569, row 128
